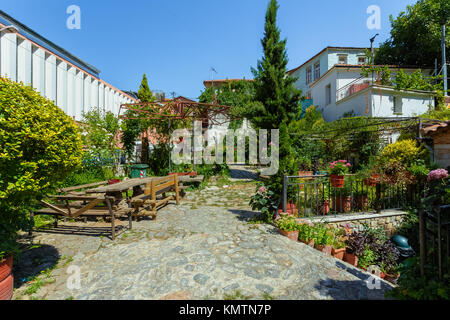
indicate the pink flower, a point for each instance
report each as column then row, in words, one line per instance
column 271, row 143
column 348, row 165
column 262, row 189
column 437, row 174
column 343, row 161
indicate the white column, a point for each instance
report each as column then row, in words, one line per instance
column 61, row 87
column 79, row 100
column 101, row 96
column 38, row 77
column 8, row 54
column 50, row 77
column 71, row 90
column 94, row 93
column 24, row 57
column 87, row 94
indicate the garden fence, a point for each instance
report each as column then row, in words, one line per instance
column 313, row 195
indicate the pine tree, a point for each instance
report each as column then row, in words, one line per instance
column 144, row 93
column 276, row 98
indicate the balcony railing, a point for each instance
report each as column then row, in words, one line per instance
column 353, row 87
column 308, row 196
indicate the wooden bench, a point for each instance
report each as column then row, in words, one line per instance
column 156, row 187
column 76, row 206
column 188, row 179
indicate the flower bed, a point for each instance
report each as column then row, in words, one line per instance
column 370, row 249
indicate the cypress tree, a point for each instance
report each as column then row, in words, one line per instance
column 276, row 98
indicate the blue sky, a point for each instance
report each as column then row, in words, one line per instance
column 176, row 42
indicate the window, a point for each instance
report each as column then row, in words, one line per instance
column 308, row 75
column 308, row 95
column 328, row 94
column 342, row 59
column 361, row 60
column 398, row 105
column 316, row 71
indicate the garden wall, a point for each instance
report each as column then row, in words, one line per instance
column 389, row 220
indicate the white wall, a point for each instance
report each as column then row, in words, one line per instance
column 38, row 77
column 71, row 76
column 50, row 77
column 72, row 89
column 412, row 104
column 61, row 86
column 24, row 60
column 8, row 48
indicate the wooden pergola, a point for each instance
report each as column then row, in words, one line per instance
column 180, row 109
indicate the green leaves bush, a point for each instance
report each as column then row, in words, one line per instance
column 40, row 145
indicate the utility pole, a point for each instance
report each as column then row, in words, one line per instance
column 372, row 52
column 444, row 62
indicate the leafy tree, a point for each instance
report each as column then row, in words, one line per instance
column 101, row 135
column 276, row 98
column 416, row 35
column 40, row 145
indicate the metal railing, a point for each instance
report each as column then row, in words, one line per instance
column 309, row 196
column 353, row 87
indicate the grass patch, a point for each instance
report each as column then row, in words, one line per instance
column 236, row 295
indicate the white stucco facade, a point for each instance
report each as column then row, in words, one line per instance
column 73, row 85
column 343, row 91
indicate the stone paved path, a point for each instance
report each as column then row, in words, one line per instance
column 202, row 249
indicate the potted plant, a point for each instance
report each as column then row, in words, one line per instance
column 342, row 201
column 288, row 227
column 355, row 247
column 361, row 200
column 323, row 238
column 338, row 170
column 265, row 201
column 8, row 248
column 306, row 234
column 338, row 250
column 324, row 205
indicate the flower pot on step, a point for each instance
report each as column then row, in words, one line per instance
column 351, row 258
column 291, row 209
column 372, row 181
column 337, row 181
column 324, row 208
column 293, row 235
column 6, row 279
column 338, row 253
column 361, row 202
column 342, row 204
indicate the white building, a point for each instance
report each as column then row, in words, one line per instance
column 332, row 81
column 342, row 90
column 71, row 83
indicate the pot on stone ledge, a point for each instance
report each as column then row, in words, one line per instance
column 6, row 279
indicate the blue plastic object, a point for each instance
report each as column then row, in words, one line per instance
column 401, row 241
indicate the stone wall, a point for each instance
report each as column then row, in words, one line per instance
column 389, row 220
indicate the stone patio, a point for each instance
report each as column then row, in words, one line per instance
column 206, row 248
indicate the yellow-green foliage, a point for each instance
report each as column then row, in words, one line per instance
column 405, row 151
column 39, row 146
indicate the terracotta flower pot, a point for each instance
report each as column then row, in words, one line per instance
column 6, row 279
column 361, row 202
column 338, row 253
column 293, row 235
column 372, row 181
column 351, row 258
column 291, row 209
column 343, row 204
column 337, row 181
column 308, row 243
column 324, row 208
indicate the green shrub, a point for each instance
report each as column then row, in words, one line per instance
column 40, row 146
